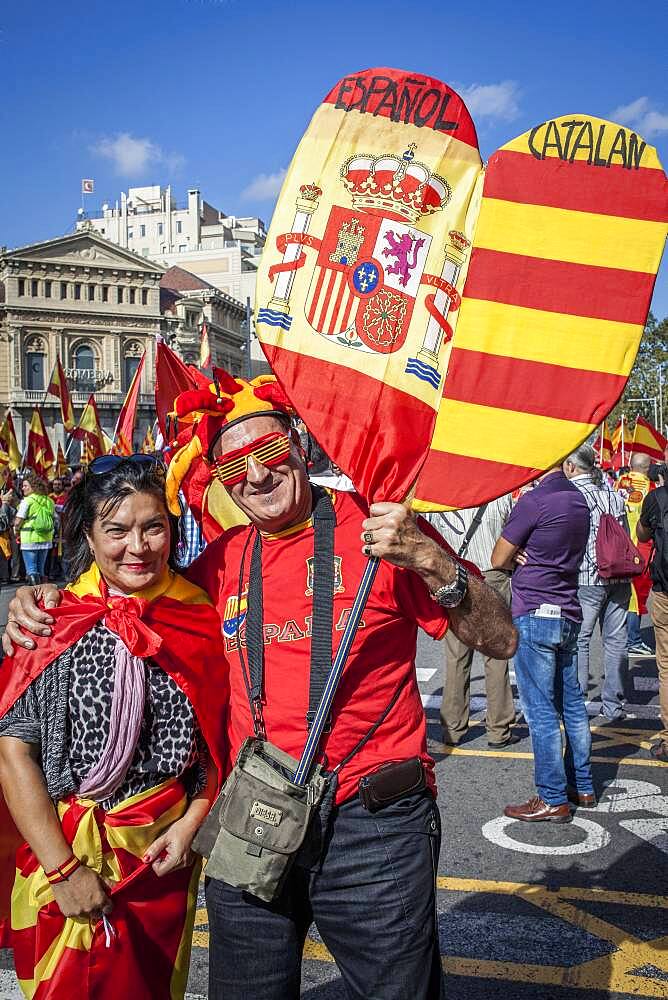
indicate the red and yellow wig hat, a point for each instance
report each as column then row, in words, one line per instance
column 197, row 421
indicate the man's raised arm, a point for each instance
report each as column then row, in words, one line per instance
column 481, row 620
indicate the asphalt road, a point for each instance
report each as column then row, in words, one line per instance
column 531, row 912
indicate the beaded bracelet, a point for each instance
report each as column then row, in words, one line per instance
column 62, row 872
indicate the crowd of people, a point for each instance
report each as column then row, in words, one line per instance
column 130, row 698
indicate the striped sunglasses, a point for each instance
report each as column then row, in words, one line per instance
column 269, row 450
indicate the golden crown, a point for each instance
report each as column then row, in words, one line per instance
column 397, row 184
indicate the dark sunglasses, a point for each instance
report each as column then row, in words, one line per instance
column 105, row 463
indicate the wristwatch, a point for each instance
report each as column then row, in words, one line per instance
column 452, row 594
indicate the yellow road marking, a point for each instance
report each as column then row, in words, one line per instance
column 525, row 755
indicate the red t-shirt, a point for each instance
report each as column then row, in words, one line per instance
column 382, row 654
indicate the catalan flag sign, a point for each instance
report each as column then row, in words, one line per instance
column 647, row 440
column 359, row 284
column 566, row 248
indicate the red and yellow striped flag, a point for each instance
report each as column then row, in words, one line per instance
column 148, row 444
column 9, row 444
column 90, row 433
column 603, row 445
column 647, row 440
column 204, row 347
column 58, row 387
column 618, row 436
column 39, row 453
column 62, row 468
column 125, row 425
column 567, row 244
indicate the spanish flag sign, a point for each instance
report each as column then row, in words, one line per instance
column 449, row 330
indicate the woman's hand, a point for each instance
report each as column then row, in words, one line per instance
column 83, row 894
column 172, row 848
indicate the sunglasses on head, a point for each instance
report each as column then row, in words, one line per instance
column 105, row 463
column 269, row 450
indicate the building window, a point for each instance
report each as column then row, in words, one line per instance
column 34, row 287
column 164, row 249
column 91, row 293
column 34, row 364
column 144, row 296
column 22, row 286
column 160, row 229
column 119, row 294
column 105, row 293
column 179, row 227
column 142, row 230
column 130, row 232
column 47, row 289
column 182, row 248
column 84, row 362
column 132, row 296
column 63, row 289
column 132, row 353
column 77, row 291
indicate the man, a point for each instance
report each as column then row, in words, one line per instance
column 472, row 534
column 651, row 528
column 605, row 601
column 369, row 881
column 633, row 485
column 546, row 536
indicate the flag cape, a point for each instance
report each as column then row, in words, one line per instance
column 647, row 440
column 9, row 444
column 89, row 431
column 173, row 622
column 204, row 348
column 58, row 387
column 634, row 487
column 152, row 919
column 566, row 248
column 125, row 425
column 359, row 284
column 39, row 453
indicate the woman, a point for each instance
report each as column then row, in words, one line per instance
column 34, row 524
column 103, row 760
column 10, row 554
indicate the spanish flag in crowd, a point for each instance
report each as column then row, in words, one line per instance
column 204, row 348
column 90, row 433
column 62, row 468
column 618, row 436
column 647, row 440
column 9, row 444
column 148, row 444
column 125, row 425
column 470, row 326
column 603, row 445
column 58, row 387
column 39, row 454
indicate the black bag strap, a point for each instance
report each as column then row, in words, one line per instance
column 324, row 521
column 473, row 527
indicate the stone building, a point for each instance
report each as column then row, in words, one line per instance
column 98, row 307
column 221, row 249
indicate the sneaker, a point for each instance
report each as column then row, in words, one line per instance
column 659, row 751
column 641, row 649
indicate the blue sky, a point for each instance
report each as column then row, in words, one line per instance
column 215, row 94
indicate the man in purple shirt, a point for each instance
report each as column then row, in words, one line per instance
column 546, row 536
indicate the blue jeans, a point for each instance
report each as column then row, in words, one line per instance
column 34, row 561
column 547, row 683
column 606, row 605
column 633, row 628
column 369, row 887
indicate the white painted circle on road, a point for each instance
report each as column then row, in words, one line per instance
column 596, row 838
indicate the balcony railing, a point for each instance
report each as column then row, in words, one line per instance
column 35, row 397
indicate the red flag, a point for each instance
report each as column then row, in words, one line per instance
column 90, row 432
column 125, row 424
column 39, row 453
column 603, row 445
column 172, row 377
column 58, row 387
column 9, row 444
column 648, row 441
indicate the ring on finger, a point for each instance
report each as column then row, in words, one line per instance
column 368, row 537
column 367, row 550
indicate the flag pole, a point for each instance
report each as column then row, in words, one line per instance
column 600, row 457
column 623, row 459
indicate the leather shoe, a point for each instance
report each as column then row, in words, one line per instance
column 508, row 742
column 537, row 811
column 586, row 800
